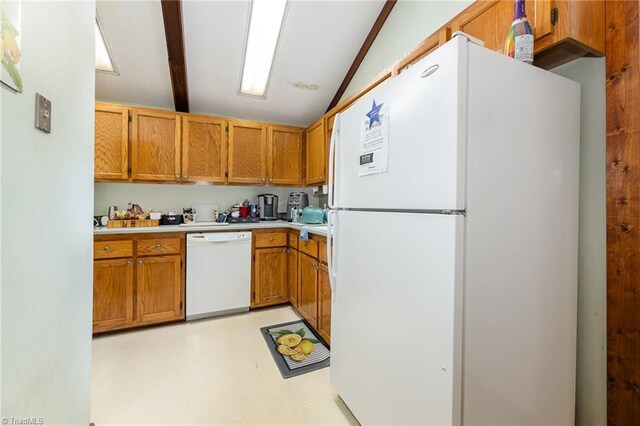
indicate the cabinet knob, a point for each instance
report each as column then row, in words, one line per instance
column 139, row 262
column 128, row 262
column 263, row 180
column 158, row 245
column 177, row 177
column 272, row 239
column 106, row 248
column 284, row 250
column 321, row 177
column 184, row 176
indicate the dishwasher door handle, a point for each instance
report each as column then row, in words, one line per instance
column 217, row 238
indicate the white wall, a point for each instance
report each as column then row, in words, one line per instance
column 168, row 197
column 409, row 23
column 46, row 199
column 591, row 385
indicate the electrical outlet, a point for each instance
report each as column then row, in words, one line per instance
column 43, row 113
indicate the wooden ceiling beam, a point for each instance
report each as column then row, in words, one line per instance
column 375, row 29
column 174, row 33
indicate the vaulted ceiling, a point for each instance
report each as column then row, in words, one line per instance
column 318, row 44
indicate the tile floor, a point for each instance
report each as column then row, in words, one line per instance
column 208, row 372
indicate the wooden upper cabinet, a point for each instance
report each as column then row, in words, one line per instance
column 316, row 154
column 247, row 152
column 284, row 155
column 328, row 124
column 578, row 23
column 111, row 153
column 155, row 145
column 490, row 21
column 423, row 49
column 204, row 149
column 112, row 294
column 159, row 289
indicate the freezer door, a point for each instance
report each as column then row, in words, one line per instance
column 424, row 109
column 396, row 317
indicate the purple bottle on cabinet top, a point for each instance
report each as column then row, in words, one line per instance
column 519, row 42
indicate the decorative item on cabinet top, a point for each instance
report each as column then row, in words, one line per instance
column 134, row 144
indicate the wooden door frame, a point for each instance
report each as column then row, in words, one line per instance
column 623, row 212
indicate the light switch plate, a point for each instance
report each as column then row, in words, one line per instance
column 43, row 113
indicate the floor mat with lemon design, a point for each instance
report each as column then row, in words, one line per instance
column 295, row 348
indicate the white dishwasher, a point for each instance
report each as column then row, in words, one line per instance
column 218, row 273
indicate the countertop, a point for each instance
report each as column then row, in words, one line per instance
column 313, row 229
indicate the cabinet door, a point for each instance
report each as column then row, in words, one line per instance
column 159, row 289
column 423, row 49
column 155, row 145
column 490, row 21
column 247, row 152
column 112, row 294
column 285, row 156
column 316, row 154
column 324, row 304
column 204, row 149
column 328, row 124
column 270, row 277
column 293, row 277
column 308, row 288
column 111, row 155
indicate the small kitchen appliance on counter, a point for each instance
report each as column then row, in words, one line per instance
column 268, row 205
column 171, row 219
column 312, row 215
column 297, row 200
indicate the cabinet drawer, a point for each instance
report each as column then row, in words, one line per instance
column 112, row 249
column 158, row 246
column 309, row 247
column 293, row 240
column 271, row 239
column 322, row 255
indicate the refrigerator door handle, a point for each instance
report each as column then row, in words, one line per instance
column 331, row 244
column 332, row 151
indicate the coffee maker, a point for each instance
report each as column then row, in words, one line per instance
column 297, row 200
column 268, row 205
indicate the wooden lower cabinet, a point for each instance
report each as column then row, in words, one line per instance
column 159, row 289
column 324, row 304
column 270, row 277
column 112, row 294
column 293, row 276
column 308, row 288
column 138, row 279
column 293, row 271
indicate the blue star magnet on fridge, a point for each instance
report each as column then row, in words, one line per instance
column 374, row 114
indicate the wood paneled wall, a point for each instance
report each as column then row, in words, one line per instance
column 623, row 213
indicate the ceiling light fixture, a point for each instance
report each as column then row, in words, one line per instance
column 265, row 26
column 104, row 61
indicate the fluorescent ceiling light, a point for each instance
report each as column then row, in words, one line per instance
column 103, row 56
column 265, row 23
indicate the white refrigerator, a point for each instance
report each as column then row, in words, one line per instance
column 453, row 200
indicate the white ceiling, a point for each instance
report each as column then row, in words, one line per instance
column 319, row 41
column 135, row 33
